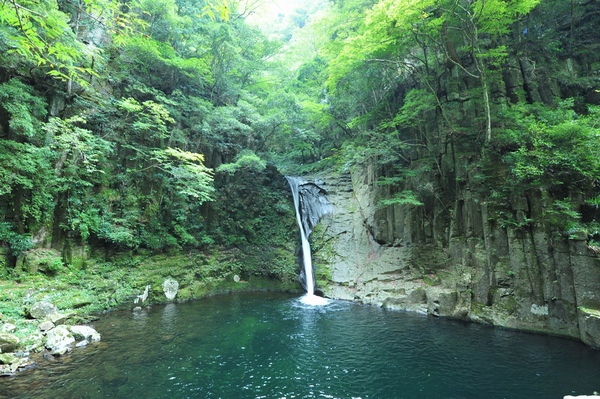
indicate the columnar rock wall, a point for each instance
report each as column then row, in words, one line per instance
column 466, row 267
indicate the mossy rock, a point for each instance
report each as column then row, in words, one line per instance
column 8, row 358
column 8, row 342
column 42, row 260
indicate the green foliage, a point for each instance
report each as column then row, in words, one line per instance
column 40, row 35
column 17, row 243
column 556, row 147
column 246, row 159
column 187, row 174
column 146, row 98
column 24, row 107
column 406, row 197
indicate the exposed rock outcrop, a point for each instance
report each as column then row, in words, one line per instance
column 468, row 268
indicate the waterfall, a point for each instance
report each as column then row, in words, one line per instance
column 309, row 281
column 310, row 205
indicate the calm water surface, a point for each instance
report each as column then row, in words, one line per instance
column 274, row 346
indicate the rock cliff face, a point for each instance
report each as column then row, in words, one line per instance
column 466, row 267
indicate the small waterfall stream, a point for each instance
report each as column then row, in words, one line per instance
column 310, row 204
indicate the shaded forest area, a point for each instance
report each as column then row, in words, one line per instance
column 162, row 125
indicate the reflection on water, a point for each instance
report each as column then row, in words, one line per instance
column 276, row 346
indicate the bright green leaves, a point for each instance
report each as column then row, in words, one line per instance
column 39, row 33
column 494, row 17
column 220, row 8
column 187, row 173
column 118, row 162
column 406, row 197
column 557, row 148
column 246, row 160
column 26, row 174
column 387, row 33
column 81, row 154
column 419, row 106
column 24, row 108
column 147, row 123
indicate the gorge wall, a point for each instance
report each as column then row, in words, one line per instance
column 470, row 239
column 508, row 277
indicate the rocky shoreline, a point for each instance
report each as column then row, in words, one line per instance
column 44, row 331
column 51, row 336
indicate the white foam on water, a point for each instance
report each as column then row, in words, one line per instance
column 314, row 300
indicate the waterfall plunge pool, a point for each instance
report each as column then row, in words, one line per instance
column 271, row 345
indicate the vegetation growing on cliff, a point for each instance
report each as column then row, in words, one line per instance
column 507, row 90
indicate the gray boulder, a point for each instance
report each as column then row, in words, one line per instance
column 41, row 310
column 59, row 340
column 58, row 318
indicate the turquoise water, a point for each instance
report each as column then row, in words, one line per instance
column 274, row 346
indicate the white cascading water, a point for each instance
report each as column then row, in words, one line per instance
column 314, row 211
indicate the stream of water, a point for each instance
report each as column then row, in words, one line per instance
column 275, row 346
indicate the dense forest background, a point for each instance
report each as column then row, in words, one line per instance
column 165, row 125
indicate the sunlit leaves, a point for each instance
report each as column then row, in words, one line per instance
column 220, row 8
column 81, row 153
column 41, row 36
column 496, row 16
column 246, row 160
column 148, row 120
column 188, row 175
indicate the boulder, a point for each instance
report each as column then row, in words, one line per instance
column 41, row 310
column 59, row 340
column 10, row 363
column 35, row 341
column 86, row 333
column 8, row 328
column 8, row 358
column 46, row 325
column 58, row 318
column 8, row 342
